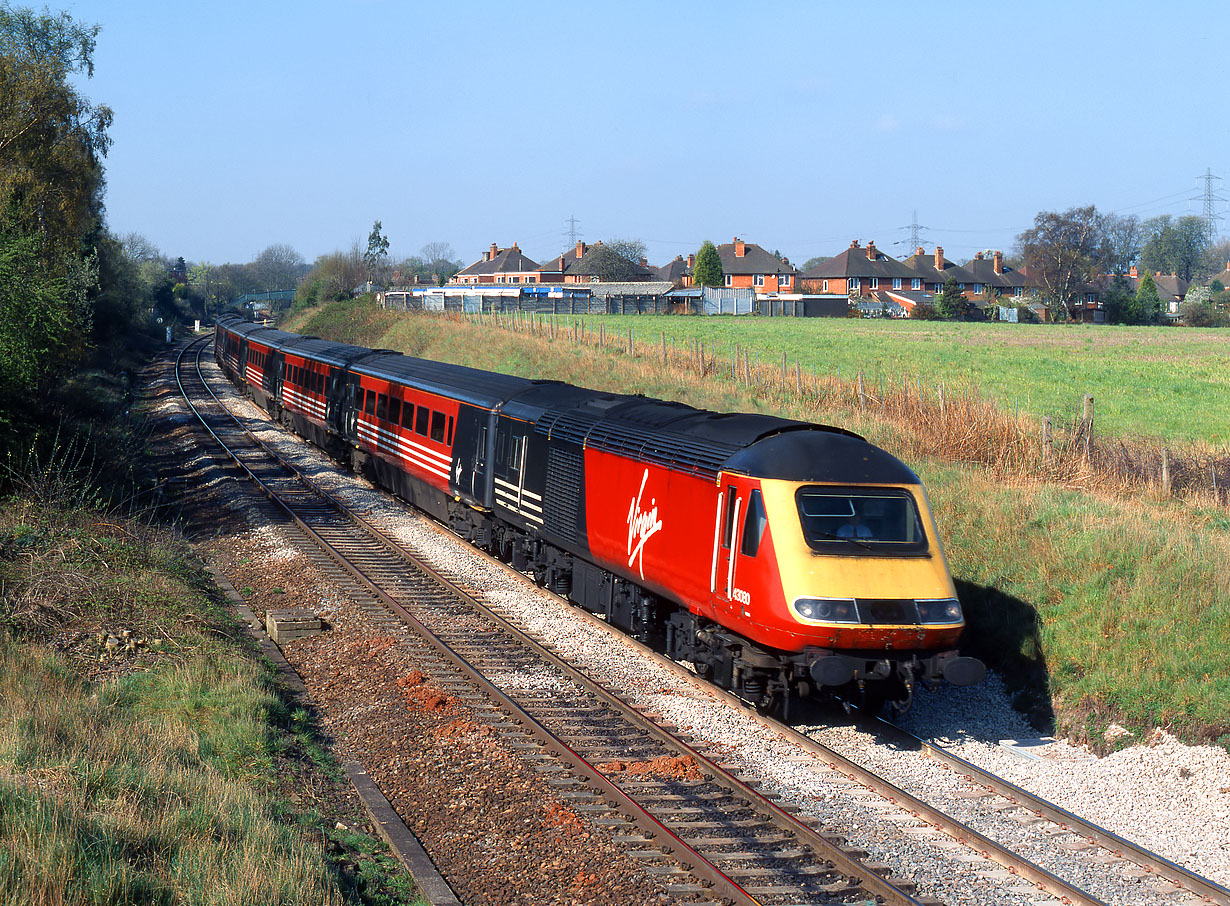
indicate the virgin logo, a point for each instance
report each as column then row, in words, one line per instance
column 642, row 525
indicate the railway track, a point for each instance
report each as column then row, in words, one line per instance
column 735, row 841
column 752, row 851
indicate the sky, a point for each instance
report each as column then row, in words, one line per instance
column 796, row 126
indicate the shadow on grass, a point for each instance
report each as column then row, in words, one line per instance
column 1005, row 634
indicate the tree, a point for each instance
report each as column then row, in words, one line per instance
column 439, row 261
column 613, row 261
column 950, row 303
column 377, row 251
column 1124, row 236
column 1119, row 302
column 1175, row 246
column 278, row 267
column 1196, row 309
column 52, row 140
column 1064, row 252
column 1148, row 301
column 707, row 271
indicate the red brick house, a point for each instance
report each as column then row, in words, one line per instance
column 990, row 276
column 745, row 264
column 857, row 271
column 499, row 265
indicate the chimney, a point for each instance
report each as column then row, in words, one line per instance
column 939, row 258
column 977, row 256
column 580, row 248
column 853, row 243
column 691, row 261
column 871, row 250
column 644, row 261
column 514, row 245
column 919, row 251
column 1133, row 272
column 494, row 251
column 998, row 258
column 740, row 248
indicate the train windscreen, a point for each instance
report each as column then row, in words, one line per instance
column 851, row 520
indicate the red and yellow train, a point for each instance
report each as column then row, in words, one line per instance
column 781, row 558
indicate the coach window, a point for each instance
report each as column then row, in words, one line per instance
column 753, row 525
column 394, row 410
column 407, row 417
column 358, row 399
column 369, row 404
column 382, row 407
column 421, row 420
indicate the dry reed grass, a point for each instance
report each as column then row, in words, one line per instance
column 956, row 424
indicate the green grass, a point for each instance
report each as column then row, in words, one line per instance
column 1159, row 382
column 150, row 774
column 1101, row 607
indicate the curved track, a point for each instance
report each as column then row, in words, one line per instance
column 733, row 839
column 606, row 729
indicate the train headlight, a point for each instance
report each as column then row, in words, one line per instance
column 827, row 610
column 939, row 610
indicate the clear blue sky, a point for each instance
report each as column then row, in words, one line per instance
column 797, row 126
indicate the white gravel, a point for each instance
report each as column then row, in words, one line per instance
column 1174, row 799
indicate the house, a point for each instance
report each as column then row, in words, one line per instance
column 1171, row 288
column 856, row 271
column 676, row 272
column 499, row 265
column 747, row 265
column 585, row 263
column 991, row 277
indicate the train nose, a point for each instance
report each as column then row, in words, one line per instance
column 964, row 671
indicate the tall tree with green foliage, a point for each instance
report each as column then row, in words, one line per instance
column 1119, row 302
column 377, row 251
column 1175, row 245
column 1148, row 301
column 950, row 303
column 707, row 270
column 52, row 141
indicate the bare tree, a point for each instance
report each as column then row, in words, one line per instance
column 278, row 267
column 138, row 248
column 1125, row 236
column 1065, row 252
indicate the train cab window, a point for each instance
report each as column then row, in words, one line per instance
column 394, row 410
column 514, row 452
column 449, row 441
column 382, row 406
column 421, row 420
column 729, row 527
column 501, row 444
column 753, row 526
column 845, row 520
column 407, row 416
column 369, row 403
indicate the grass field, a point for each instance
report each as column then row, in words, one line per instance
column 1103, row 607
column 1159, row 382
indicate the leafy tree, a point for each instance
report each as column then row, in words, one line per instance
column 707, row 271
column 377, row 251
column 1217, row 287
column 1119, row 302
column 1148, row 301
column 1196, row 309
column 950, row 303
column 1175, row 246
column 925, row 311
column 1064, row 252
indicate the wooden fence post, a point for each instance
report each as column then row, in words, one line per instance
column 1087, row 422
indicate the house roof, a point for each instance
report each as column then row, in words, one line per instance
column 857, row 261
column 1169, row 286
column 982, row 270
column 672, row 271
column 922, row 264
column 500, row 261
column 754, row 260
